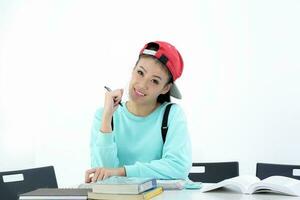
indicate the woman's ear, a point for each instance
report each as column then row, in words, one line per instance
column 166, row 88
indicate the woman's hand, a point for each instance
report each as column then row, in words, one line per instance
column 95, row 174
column 111, row 103
column 112, row 99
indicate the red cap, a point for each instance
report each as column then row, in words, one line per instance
column 170, row 57
column 167, row 54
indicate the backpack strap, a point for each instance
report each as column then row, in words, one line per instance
column 164, row 126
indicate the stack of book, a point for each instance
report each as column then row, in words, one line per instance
column 125, row 188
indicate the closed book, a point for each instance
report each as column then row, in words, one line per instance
column 124, row 185
column 142, row 196
column 55, row 194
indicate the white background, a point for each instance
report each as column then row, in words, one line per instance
column 240, row 83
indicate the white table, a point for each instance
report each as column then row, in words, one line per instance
column 221, row 194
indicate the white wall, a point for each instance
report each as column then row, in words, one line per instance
column 240, row 83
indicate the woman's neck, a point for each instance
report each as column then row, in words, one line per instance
column 140, row 109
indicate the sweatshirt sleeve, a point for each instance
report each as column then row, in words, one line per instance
column 103, row 148
column 176, row 158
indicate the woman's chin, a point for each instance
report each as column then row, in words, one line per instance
column 137, row 99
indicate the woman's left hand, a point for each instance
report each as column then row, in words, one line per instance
column 95, row 174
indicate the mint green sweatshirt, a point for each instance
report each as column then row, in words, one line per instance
column 136, row 143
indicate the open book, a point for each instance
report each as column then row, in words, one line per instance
column 251, row 184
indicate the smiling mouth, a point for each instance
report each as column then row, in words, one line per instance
column 138, row 93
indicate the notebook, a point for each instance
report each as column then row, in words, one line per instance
column 56, row 193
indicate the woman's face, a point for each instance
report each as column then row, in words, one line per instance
column 149, row 79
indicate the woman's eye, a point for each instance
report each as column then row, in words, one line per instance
column 156, row 82
column 140, row 72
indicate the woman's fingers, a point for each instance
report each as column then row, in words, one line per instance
column 117, row 95
column 116, row 103
column 106, row 175
column 113, row 98
column 88, row 175
column 96, row 174
column 121, row 91
column 100, row 174
column 100, row 177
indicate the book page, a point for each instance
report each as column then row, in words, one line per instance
column 240, row 183
column 281, row 180
column 278, row 184
column 171, row 184
column 86, row 185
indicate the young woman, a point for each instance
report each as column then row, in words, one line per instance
column 127, row 140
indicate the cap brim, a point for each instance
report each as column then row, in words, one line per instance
column 174, row 92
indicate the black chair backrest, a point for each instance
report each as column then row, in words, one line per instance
column 214, row 172
column 265, row 170
column 13, row 183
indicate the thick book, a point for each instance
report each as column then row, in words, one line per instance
column 142, row 196
column 55, row 193
column 175, row 184
column 250, row 184
column 124, row 185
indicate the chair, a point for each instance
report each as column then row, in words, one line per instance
column 265, row 170
column 13, row 183
column 214, row 172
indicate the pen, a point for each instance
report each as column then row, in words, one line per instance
column 109, row 90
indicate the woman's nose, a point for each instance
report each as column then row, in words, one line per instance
column 143, row 84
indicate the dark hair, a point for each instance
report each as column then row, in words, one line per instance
column 166, row 97
column 162, row 97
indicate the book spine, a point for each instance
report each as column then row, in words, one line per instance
column 153, row 193
column 154, row 183
column 147, row 186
